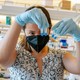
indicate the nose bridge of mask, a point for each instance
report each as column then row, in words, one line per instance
column 38, row 39
column 35, row 40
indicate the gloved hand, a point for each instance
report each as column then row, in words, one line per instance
column 67, row 26
column 34, row 15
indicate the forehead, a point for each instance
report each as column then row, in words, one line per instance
column 34, row 27
column 31, row 26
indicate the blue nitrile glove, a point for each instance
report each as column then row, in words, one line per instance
column 67, row 26
column 34, row 15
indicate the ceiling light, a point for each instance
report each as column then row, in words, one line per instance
column 0, row 7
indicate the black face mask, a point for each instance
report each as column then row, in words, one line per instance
column 38, row 42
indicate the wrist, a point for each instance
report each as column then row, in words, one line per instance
column 19, row 21
column 76, row 34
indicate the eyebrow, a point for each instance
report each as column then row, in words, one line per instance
column 33, row 31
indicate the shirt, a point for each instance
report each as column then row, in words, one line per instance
column 25, row 66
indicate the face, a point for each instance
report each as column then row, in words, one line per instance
column 33, row 30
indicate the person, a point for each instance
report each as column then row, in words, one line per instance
column 34, row 60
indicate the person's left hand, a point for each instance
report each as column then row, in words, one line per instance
column 67, row 26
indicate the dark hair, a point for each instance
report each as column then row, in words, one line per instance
column 23, row 43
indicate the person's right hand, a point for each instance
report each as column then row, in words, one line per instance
column 67, row 26
column 34, row 15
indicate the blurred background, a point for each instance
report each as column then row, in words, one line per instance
column 58, row 10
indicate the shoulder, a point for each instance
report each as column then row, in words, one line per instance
column 21, row 50
column 22, row 53
column 57, row 52
column 56, row 55
column 22, row 56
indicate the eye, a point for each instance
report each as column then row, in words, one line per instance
column 31, row 33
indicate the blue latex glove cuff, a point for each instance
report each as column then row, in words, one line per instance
column 19, row 21
column 77, row 34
